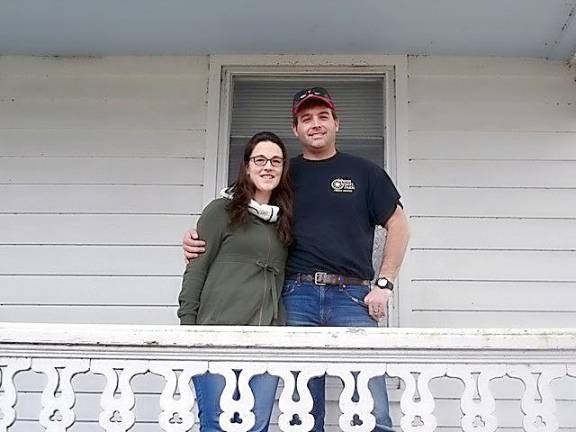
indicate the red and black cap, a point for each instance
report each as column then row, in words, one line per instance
column 312, row 93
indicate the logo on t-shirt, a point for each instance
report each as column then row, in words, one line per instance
column 343, row 185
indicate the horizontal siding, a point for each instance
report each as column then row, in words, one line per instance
column 492, row 145
column 492, row 116
column 93, row 229
column 492, row 195
column 90, row 143
column 493, row 233
column 98, row 170
column 493, row 89
column 493, row 202
column 88, row 290
column 494, row 318
column 473, row 264
column 109, row 314
column 101, row 199
column 91, row 260
column 456, row 301
column 492, row 198
column 90, row 113
column 179, row 86
column 494, row 173
column 493, row 67
column 101, row 171
column 98, row 67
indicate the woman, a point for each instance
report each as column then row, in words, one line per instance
column 238, row 280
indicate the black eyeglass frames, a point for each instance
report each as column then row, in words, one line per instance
column 263, row 160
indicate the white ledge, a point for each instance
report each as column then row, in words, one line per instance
column 287, row 343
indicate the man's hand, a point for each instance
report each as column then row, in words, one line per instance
column 193, row 247
column 377, row 301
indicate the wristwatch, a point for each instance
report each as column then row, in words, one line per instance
column 384, row 283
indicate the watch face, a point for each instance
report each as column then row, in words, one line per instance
column 384, row 283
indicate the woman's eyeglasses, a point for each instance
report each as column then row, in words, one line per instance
column 262, row 161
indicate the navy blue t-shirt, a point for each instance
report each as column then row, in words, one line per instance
column 338, row 202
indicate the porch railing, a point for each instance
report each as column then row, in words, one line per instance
column 414, row 356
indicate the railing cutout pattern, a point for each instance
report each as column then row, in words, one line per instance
column 355, row 401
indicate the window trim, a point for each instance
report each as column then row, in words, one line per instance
column 393, row 68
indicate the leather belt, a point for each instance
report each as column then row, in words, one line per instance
column 322, row 278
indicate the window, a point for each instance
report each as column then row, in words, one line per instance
column 248, row 94
column 264, row 103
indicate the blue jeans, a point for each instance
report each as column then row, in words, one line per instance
column 312, row 305
column 209, row 387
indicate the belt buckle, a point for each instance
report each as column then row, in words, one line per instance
column 319, row 277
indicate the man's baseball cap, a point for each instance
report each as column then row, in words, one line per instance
column 312, row 93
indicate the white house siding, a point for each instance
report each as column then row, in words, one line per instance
column 101, row 168
column 492, row 200
column 492, row 197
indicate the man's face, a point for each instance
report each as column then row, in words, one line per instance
column 316, row 130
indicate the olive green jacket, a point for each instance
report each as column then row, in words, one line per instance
column 238, row 280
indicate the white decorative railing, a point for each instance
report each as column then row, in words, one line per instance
column 414, row 356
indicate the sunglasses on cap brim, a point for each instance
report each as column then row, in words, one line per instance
column 314, row 91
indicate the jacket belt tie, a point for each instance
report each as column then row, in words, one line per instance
column 269, row 268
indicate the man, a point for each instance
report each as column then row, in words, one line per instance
column 339, row 198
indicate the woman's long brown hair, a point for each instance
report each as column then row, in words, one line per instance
column 282, row 196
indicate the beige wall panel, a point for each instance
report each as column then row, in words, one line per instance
column 95, row 114
column 94, row 229
column 107, row 151
column 91, row 290
column 533, row 265
column 494, row 173
column 110, row 171
column 491, row 319
column 159, row 87
column 92, row 260
column 179, row 200
column 168, row 66
column 513, row 296
column 517, row 145
column 103, row 143
column 116, row 314
column 487, row 116
column 486, row 67
column 483, row 233
column 539, row 203
column 502, row 89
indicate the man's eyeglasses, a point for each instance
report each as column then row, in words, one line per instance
column 262, row 161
